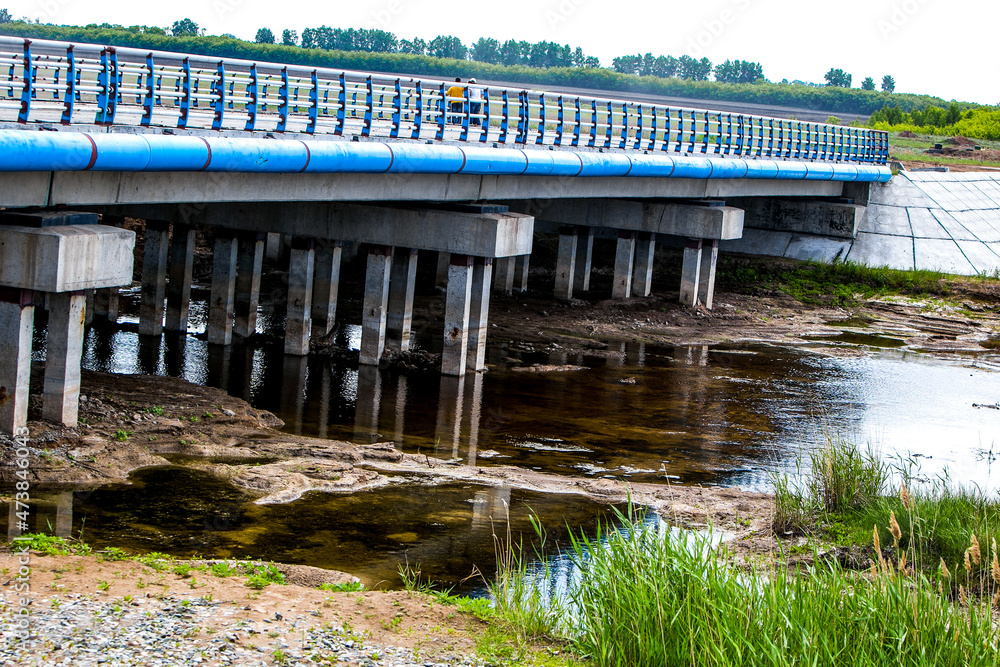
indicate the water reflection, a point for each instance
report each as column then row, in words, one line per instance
column 448, row 532
column 695, row 414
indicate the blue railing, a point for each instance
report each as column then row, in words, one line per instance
column 59, row 82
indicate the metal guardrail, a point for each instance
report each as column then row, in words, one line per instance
column 45, row 81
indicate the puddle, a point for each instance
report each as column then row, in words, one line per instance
column 855, row 338
column 447, row 531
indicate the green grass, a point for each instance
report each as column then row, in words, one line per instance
column 839, row 283
column 645, row 597
column 50, row 545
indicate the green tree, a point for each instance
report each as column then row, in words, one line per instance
column 416, row 47
column 693, row 69
column 739, row 71
column 868, row 83
column 446, row 46
column 627, row 64
column 838, row 78
column 264, row 36
column 289, row 37
column 888, row 84
column 5, row 16
column 486, row 50
column 184, row 28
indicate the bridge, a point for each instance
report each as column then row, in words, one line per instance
column 254, row 152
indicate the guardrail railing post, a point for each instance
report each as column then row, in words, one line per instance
column 593, row 124
column 652, row 134
column 219, row 90
column 251, row 105
column 27, row 78
column 341, row 106
column 522, row 118
column 107, row 80
column 442, row 111
column 149, row 97
column 283, row 99
column 560, row 120
column 624, row 135
column 313, row 102
column 69, row 96
column 540, row 139
column 504, row 117
column 397, row 110
column 577, row 120
column 609, row 126
column 485, row 120
column 638, row 130
column 182, row 120
column 366, row 129
column 418, row 117
column 464, row 136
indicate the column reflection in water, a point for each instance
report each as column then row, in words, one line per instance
column 368, row 404
column 218, row 363
column 294, row 372
column 449, row 422
column 175, row 345
column 149, row 354
column 491, row 509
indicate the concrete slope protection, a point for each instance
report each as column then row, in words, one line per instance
column 75, row 151
column 936, row 221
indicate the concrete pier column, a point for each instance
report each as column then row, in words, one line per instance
column 376, row 301
column 456, row 316
column 503, row 275
column 479, row 310
column 441, row 277
column 249, row 261
column 402, row 280
column 584, row 258
column 179, row 274
column 326, row 286
column 272, row 246
column 521, row 266
column 223, row 294
column 106, row 304
column 63, row 349
column 566, row 262
column 621, row 288
column 154, row 278
column 691, row 272
column 706, row 281
column 298, row 319
column 91, row 299
column 642, row 276
column 17, row 315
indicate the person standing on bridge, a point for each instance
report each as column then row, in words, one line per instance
column 456, row 100
column 475, row 102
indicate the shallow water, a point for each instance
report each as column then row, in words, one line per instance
column 720, row 415
column 446, row 532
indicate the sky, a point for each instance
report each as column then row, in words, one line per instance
column 936, row 47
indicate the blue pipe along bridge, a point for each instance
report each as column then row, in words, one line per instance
column 256, row 152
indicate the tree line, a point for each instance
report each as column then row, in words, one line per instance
column 191, row 39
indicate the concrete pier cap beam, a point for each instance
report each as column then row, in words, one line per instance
column 65, row 261
column 458, row 230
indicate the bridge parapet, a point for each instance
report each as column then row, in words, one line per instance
column 45, row 81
